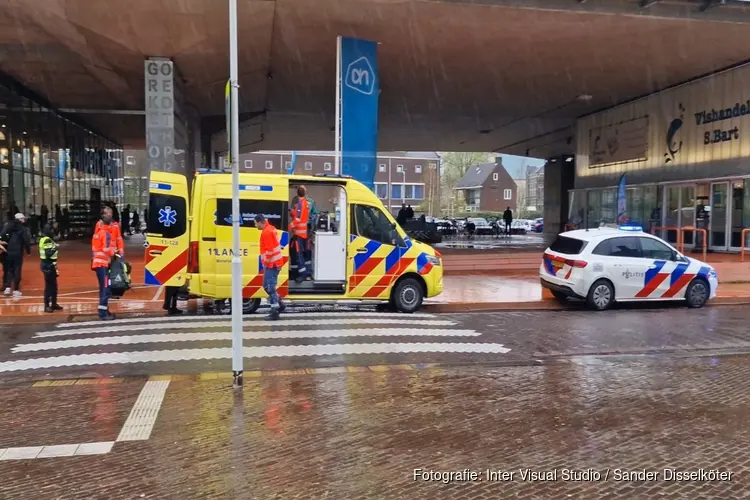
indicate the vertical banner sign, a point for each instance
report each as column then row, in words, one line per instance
column 359, row 108
column 622, row 212
column 293, row 164
column 159, row 79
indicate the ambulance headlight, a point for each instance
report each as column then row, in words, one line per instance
column 435, row 261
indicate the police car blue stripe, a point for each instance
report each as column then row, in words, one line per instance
column 651, row 273
column 677, row 273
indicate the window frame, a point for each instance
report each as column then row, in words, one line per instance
column 269, row 164
column 327, row 166
column 609, row 241
column 248, row 164
column 417, row 169
column 308, row 165
column 399, row 169
column 495, row 176
column 381, row 167
column 655, row 242
column 392, row 229
column 507, row 194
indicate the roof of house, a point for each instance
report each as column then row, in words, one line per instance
column 476, row 175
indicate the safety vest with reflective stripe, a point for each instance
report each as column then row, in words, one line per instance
column 301, row 216
column 270, row 248
column 105, row 244
column 48, row 249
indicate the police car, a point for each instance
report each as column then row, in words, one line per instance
column 622, row 264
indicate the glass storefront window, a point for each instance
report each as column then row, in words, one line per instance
column 609, row 207
column 576, row 207
column 594, row 203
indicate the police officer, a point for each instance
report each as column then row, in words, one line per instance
column 48, row 255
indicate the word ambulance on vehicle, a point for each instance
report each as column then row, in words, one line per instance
column 607, row 265
column 358, row 250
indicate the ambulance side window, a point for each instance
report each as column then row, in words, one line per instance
column 167, row 215
column 371, row 223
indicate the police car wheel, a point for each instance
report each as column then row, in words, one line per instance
column 407, row 295
column 601, row 295
column 249, row 306
column 697, row 293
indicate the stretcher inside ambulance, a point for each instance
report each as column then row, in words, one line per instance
column 357, row 250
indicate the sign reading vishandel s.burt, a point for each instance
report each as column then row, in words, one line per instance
column 721, row 134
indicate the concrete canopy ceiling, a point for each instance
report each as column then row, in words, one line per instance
column 487, row 75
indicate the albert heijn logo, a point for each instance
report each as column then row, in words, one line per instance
column 360, row 76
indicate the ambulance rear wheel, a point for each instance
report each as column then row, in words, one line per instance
column 407, row 295
column 249, row 306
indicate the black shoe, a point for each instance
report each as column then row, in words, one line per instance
column 174, row 312
column 282, row 307
column 57, row 307
column 109, row 317
column 298, row 279
column 48, row 309
column 273, row 316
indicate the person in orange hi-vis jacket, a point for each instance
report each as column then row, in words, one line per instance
column 300, row 218
column 270, row 253
column 105, row 245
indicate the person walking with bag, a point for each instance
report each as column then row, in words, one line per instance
column 105, row 245
column 18, row 242
column 48, row 255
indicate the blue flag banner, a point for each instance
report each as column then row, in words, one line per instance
column 622, row 211
column 293, row 164
column 360, row 89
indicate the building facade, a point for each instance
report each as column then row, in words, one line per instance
column 685, row 154
column 411, row 178
column 47, row 160
column 534, row 188
column 488, row 188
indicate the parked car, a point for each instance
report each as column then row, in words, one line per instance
column 517, row 227
column 482, row 227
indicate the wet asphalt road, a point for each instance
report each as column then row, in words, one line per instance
column 598, row 405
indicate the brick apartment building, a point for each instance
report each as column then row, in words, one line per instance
column 488, row 187
column 411, row 178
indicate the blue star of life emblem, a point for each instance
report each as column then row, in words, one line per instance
column 167, row 216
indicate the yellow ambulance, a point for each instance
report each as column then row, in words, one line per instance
column 358, row 250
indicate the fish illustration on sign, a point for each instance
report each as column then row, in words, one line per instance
column 674, row 147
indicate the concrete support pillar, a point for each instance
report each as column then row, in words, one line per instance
column 166, row 130
column 559, row 177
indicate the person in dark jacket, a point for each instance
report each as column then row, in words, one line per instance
column 48, row 254
column 508, row 218
column 402, row 216
column 18, row 241
column 125, row 222
column 409, row 212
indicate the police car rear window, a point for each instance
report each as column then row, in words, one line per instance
column 567, row 246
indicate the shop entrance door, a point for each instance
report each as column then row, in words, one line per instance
column 679, row 211
column 737, row 221
column 718, row 221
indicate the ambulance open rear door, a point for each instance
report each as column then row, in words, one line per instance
column 167, row 236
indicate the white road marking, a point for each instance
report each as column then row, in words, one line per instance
column 256, row 317
column 113, row 327
column 147, row 338
column 57, row 450
column 249, row 352
column 142, row 417
column 158, row 292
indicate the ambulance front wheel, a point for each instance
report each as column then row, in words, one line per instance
column 407, row 295
column 249, row 306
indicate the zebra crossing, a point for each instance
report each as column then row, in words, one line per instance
column 313, row 335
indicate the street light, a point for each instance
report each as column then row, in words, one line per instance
column 234, row 150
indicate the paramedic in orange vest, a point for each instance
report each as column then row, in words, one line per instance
column 300, row 218
column 106, row 243
column 270, row 253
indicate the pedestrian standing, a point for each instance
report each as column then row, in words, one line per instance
column 136, row 223
column 44, row 213
column 508, row 218
column 270, row 253
column 105, row 245
column 125, row 222
column 48, row 255
column 18, row 242
column 170, row 301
